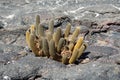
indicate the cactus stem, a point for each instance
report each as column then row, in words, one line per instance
column 33, row 46
column 61, row 43
column 75, row 34
column 74, row 56
column 37, row 24
column 51, row 26
column 28, row 37
column 78, row 44
column 45, row 47
column 81, row 49
column 41, row 31
column 49, row 36
column 67, row 30
column 57, row 35
column 70, row 46
column 65, row 59
column 52, row 50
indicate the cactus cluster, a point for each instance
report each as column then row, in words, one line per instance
column 57, row 44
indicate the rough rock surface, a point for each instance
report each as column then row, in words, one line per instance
column 99, row 18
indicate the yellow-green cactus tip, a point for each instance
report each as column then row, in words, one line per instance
column 51, row 26
column 28, row 37
column 79, row 43
column 37, row 19
column 37, row 24
column 40, row 31
column 57, row 36
column 75, row 34
column 67, row 30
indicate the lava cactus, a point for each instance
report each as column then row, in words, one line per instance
column 59, row 44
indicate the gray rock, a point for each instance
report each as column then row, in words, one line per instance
column 96, row 52
column 13, row 36
column 117, row 42
column 116, row 39
column 11, row 48
column 9, row 53
column 102, row 9
column 18, row 15
column 28, row 67
column 1, row 25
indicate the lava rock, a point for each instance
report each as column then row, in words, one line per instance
column 1, row 25
column 96, row 52
column 20, row 14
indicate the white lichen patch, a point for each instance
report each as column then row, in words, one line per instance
column 10, row 16
column 6, row 78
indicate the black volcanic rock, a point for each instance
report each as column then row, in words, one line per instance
column 103, row 52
